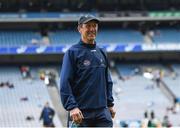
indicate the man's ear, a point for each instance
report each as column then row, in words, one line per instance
column 78, row 29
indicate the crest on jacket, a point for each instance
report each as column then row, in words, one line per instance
column 86, row 62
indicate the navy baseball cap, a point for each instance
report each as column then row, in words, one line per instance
column 86, row 18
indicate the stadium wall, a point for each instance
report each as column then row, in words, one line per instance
column 123, row 57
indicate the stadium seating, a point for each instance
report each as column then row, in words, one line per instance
column 139, row 93
column 64, row 37
column 126, row 70
column 105, row 36
column 18, row 38
column 109, row 36
column 173, row 82
column 26, row 99
column 166, row 35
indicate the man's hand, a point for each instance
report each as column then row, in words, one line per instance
column 112, row 111
column 76, row 115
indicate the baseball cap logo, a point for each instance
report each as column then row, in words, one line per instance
column 86, row 16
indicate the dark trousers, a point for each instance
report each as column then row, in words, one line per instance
column 48, row 124
column 94, row 118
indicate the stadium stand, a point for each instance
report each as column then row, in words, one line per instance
column 62, row 37
column 166, row 35
column 18, row 38
column 147, row 96
column 127, row 70
column 120, row 35
column 173, row 81
column 21, row 106
column 105, row 36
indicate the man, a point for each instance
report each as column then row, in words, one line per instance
column 86, row 85
column 47, row 115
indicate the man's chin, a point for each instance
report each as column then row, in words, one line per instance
column 92, row 38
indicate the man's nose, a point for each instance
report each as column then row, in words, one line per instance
column 92, row 28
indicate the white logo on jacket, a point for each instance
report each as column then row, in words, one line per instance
column 86, row 62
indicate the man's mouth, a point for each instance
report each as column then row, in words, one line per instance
column 91, row 34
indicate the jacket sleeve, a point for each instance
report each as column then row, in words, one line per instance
column 109, row 82
column 66, row 80
column 110, row 98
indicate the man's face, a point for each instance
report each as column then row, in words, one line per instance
column 88, row 31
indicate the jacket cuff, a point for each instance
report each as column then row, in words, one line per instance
column 110, row 104
column 71, row 107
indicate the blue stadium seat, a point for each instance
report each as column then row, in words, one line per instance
column 166, row 35
column 17, row 38
column 64, row 37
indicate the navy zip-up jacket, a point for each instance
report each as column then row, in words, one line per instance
column 85, row 80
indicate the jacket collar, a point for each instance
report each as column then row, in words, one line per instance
column 87, row 45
